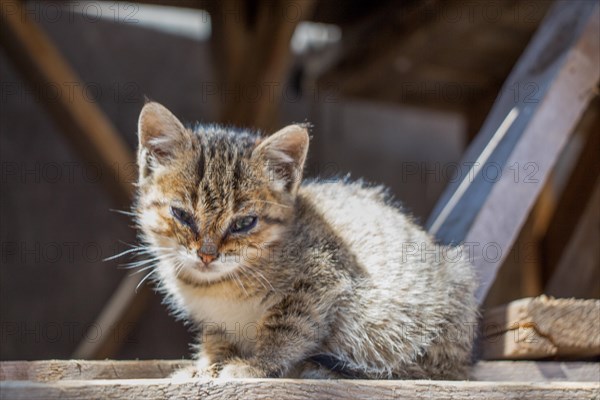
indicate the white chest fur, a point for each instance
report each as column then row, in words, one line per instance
column 237, row 318
column 227, row 312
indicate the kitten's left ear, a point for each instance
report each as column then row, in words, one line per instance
column 283, row 154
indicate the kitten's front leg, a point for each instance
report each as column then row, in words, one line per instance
column 215, row 351
column 287, row 334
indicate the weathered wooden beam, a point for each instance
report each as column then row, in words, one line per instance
column 93, row 137
column 508, row 162
column 82, row 122
column 297, row 389
column 116, row 320
column 492, row 371
column 542, row 327
column 57, row 370
column 532, row 371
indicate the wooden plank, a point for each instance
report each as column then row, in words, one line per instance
column 297, row 389
column 578, row 271
column 532, row 371
column 542, row 327
column 493, row 371
column 55, row 370
column 522, row 139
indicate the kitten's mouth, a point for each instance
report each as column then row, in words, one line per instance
column 200, row 271
column 200, row 266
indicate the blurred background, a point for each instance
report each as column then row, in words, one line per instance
column 395, row 89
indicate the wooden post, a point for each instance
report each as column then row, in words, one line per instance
column 251, row 51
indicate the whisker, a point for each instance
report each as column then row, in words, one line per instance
column 121, row 254
column 129, row 213
column 142, row 269
column 250, row 276
column 136, row 249
column 144, row 279
column 135, row 264
column 258, row 276
column 178, row 268
column 242, row 284
column 238, row 283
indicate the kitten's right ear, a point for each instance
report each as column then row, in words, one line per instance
column 160, row 132
column 161, row 135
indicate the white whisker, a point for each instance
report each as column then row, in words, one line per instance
column 144, row 279
column 129, row 213
column 258, row 276
column 143, row 269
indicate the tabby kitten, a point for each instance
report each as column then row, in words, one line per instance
column 288, row 280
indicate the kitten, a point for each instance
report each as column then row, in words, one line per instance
column 287, row 280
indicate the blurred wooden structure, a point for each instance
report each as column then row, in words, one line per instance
column 489, row 209
column 539, row 107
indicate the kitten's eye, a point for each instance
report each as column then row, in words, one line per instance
column 243, row 224
column 183, row 217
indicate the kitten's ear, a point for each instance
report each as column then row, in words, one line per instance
column 160, row 132
column 283, row 154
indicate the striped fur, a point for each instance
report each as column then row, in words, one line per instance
column 329, row 272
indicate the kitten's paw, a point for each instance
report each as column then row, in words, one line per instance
column 203, row 363
column 239, row 369
column 185, row 373
column 202, row 368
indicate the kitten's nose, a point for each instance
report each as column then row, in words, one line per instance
column 207, row 258
column 208, row 253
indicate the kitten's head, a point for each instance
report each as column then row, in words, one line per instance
column 212, row 199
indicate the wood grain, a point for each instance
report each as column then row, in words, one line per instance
column 542, row 327
column 492, row 371
column 295, row 389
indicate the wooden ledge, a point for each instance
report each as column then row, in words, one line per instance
column 70, row 379
column 296, row 389
column 492, row 371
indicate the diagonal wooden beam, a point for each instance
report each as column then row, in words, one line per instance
column 93, row 137
column 85, row 126
column 504, row 169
